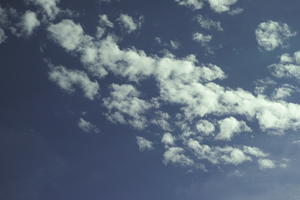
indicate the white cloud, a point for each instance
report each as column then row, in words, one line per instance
column 220, row 6
column 289, row 70
column 104, row 21
column 194, row 4
column 209, row 24
column 266, row 164
column 201, row 38
column 205, row 127
column 190, row 86
column 49, row 6
column 174, row 44
column 229, row 127
column 217, row 155
column 283, row 92
column 86, row 126
column 28, row 24
column 168, row 139
column 162, row 120
column 236, row 11
column 175, row 155
column 68, row 80
column 144, row 144
column 254, row 151
column 236, row 157
column 128, row 23
column 68, row 34
column 125, row 106
column 271, row 35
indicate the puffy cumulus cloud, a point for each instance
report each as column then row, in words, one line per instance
column 87, row 126
column 28, row 24
column 105, row 22
column 283, row 92
column 161, row 119
column 129, row 24
column 287, row 68
column 168, row 139
column 254, row 151
column 194, row 4
column 68, row 80
column 221, row 6
column 125, row 106
column 176, row 155
column 49, row 6
column 7, row 15
column 218, row 6
column 144, row 144
column 67, row 33
column 230, row 127
column 208, row 24
column 266, row 164
column 271, row 35
column 205, row 127
column 201, row 38
column 218, row 155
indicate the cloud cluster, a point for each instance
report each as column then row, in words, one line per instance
column 182, row 82
column 28, row 24
column 87, row 126
column 125, row 106
column 128, row 23
column 69, row 80
column 48, row 6
column 144, row 144
column 208, row 24
column 218, row 6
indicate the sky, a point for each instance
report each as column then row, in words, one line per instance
column 149, row 100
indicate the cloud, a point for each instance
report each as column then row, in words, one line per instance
column 105, row 22
column 28, row 24
column 86, row 126
column 2, row 36
column 128, row 23
column 125, row 107
column 144, row 144
column 208, row 24
column 266, row 164
column 271, row 35
column 49, row 6
column 194, row 4
column 193, row 89
column 168, row 139
column 205, row 127
column 175, row 155
column 4, row 16
column 68, row 34
column 288, row 67
column 68, row 80
column 230, row 127
column 236, row 11
column 283, row 92
column 201, row 38
column 221, row 6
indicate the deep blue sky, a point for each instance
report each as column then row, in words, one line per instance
column 46, row 154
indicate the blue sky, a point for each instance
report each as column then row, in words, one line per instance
column 136, row 99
